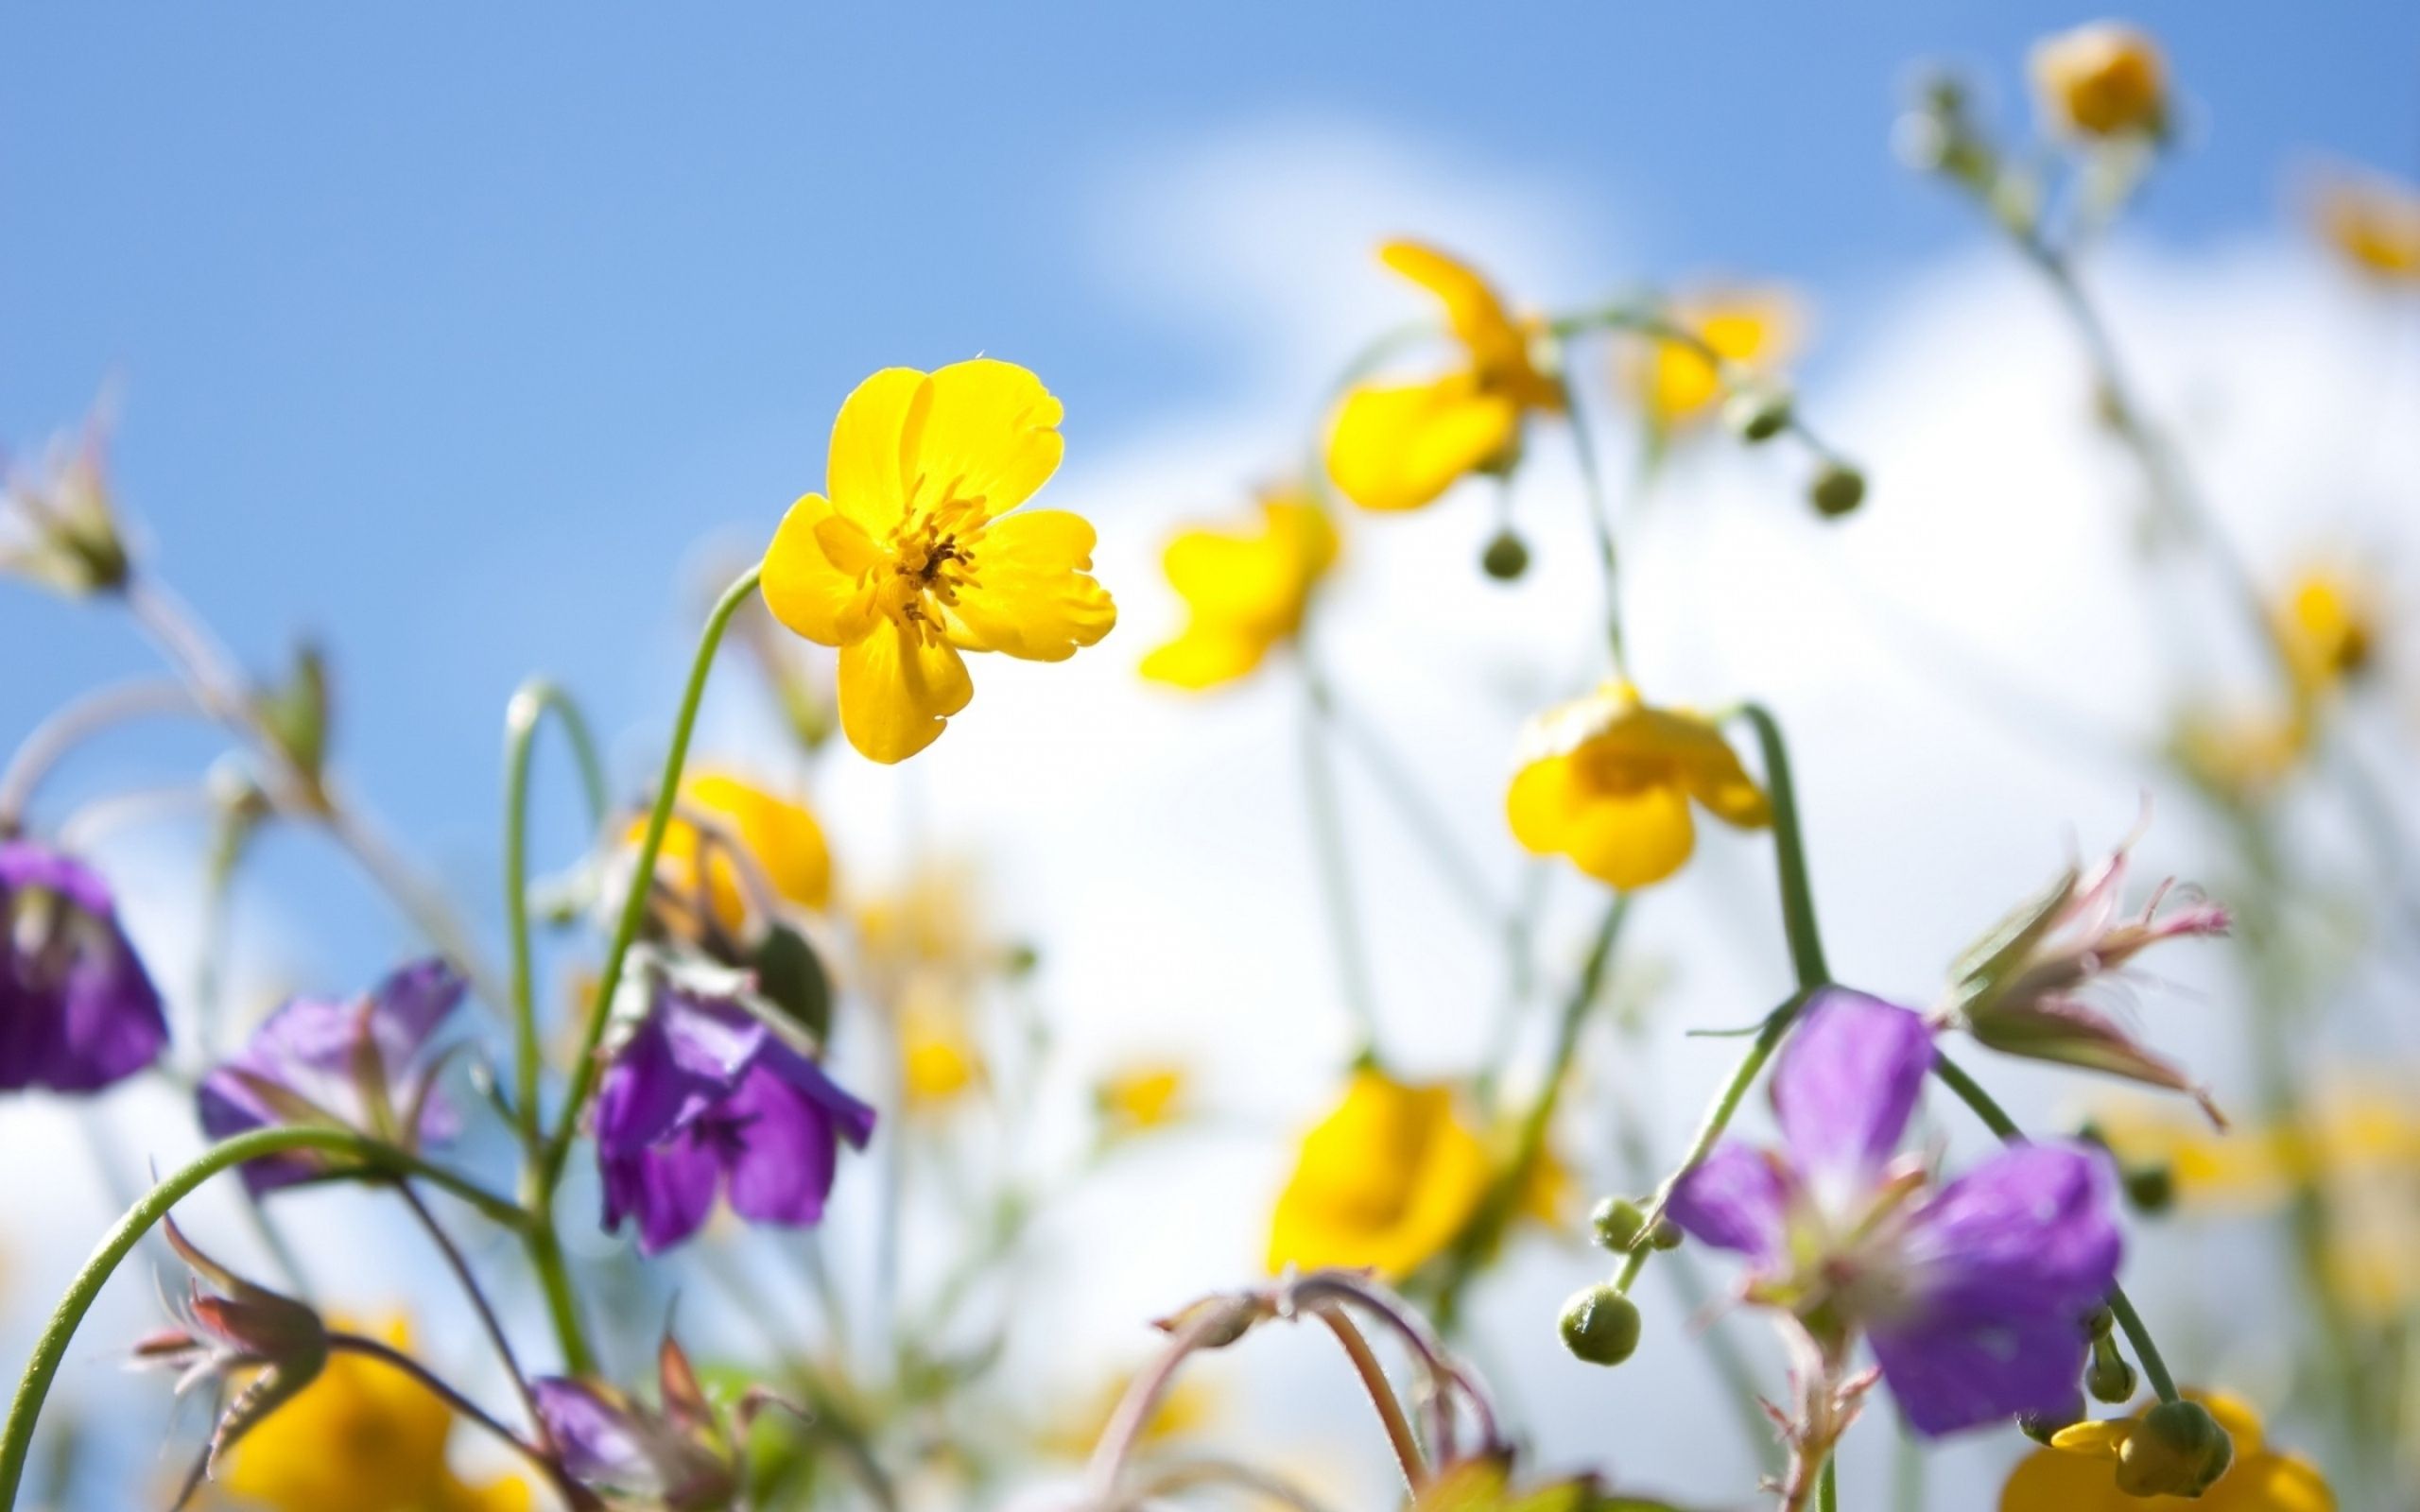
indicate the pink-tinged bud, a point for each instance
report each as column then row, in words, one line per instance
column 678, row 1454
column 2018, row 989
column 239, row 1330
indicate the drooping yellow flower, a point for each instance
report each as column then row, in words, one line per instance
column 1398, row 446
column 2101, row 81
column 1141, row 1097
column 2373, row 221
column 1755, row 330
column 1245, row 590
column 1607, row 782
column 916, row 556
column 361, row 1437
column 2327, row 625
column 781, row 841
column 1386, row 1180
column 2081, row 1477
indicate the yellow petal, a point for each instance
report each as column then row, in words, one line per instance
column 983, row 429
column 2051, row 1480
column 1622, row 838
column 1241, row 579
column 1032, row 594
column 864, row 469
column 2095, row 1438
column 1398, row 447
column 1386, row 1180
column 2270, row 1482
column 1711, row 770
column 1472, row 308
column 783, row 837
column 897, row 693
column 1205, row 656
column 804, row 588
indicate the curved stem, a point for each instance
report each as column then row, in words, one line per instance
column 1790, row 852
column 478, row 1299
column 1335, row 863
column 76, row 722
column 1400, row 1437
column 461, row 1406
column 530, row 706
column 1995, row 1118
column 50, row 1346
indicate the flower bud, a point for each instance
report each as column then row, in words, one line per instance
column 1758, row 414
column 2110, row 1378
column 1618, row 1222
column 2179, row 1450
column 1600, row 1325
column 1507, row 556
column 1837, row 490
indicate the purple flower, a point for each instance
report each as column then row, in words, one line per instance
column 677, row 1454
column 77, row 1012
column 702, row 1097
column 363, row 1064
column 1972, row 1294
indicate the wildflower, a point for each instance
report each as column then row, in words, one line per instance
column 2083, row 1473
column 2102, row 81
column 2241, row 755
column 78, row 1011
column 2019, row 988
column 1483, row 1483
column 363, row 1064
column 363, row 1436
column 59, row 527
column 275, row 1343
column 916, row 556
column 677, row 1455
column 1607, row 782
column 702, row 1097
column 1969, row 1294
column 2374, row 222
column 779, row 839
column 1188, row 1406
column 1141, row 1097
column 940, row 1058
column 2327, row 627
column 1245, row 590
column 926, row 952
column 1747, row 331
column 1398, row 446
column 1387, row 1179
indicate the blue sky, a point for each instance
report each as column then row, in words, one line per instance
column 444, row 330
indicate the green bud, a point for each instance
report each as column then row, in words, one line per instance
column 1837, row 490
column 1600, row 1325
column 2151, row 1189
column 1507, row 556
column 2110, row 1379
column 1758, row 414
column 2040, row 1426
column 2100, row 1321
column 2179, row 1450
column 1618, row 1222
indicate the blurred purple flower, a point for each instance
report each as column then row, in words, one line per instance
column 77, row 1012
column 362, row 1065
column 1972, row 1294
column 677, row 1454
column 702, row 1097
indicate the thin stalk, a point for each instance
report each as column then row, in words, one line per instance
column 1400, row 1437
column 530, row 706
column 1827, row 1492
column 477, row 1296
column 1995, row 1118
column 1421, row 819
column 79, row 721
column 1335, row 863
column 461, row 1406
column 1600, row 519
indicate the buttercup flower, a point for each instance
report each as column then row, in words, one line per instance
column 702, row 1097
column 1607, row 782
column 363, row 1064
column 2240, row 754
column 2101, row 81
column 2374, row 222
column 362, row 1437
column 1142, row 1097
column 1970, row 1293
column 1398, row 446
column 2082, row 1475
column 2327, row 626
column 1753, row 329
column 917, row 556
column 925, row 953
column 677, row 1455
column 78, row 1011
column 781, row 841
column 1245, row 590
column 1386, row 1180
column 938, row 1056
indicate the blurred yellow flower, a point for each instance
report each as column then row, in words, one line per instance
column 917, row 557
column 361, row 1437
column 2081, row 1477
column 1607, row 782
column 2374, row 221
column 2241, row 754
column 1752, row 329
column 939, row 1060
column 1245, row 590
column 1142, row 1097
column 2104, row 80
column 1186, row 1408
column 782, row 839
column 925, row 953
column 1398, row 446
column 2327, row 625
column 1386, row 1180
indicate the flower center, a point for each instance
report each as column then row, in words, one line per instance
column 932, row 558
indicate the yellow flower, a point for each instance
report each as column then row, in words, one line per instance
column 2080, row 1476
column 1398, row 446
column 2328, row 627
column 2241, row 754
column 2104, row 79
column 917, row 557
column 361, row 1437
column 1186, row 1409
column 1607, row 782
column 940, row 1060
column 925, row 953
column 781, row 841
column 1245, row 590
column 1142, row 1097
column 2374, row 221
column 1386, row 1180
column 1752, row 329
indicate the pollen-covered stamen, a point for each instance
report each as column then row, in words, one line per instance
column 932, row 557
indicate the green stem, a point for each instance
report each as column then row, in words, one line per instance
column 50, row 1348
column 1600, row 519
column 1995, row 1118
column 1827, row 1494
column 1789, row 853
column 1336, row 866
column 522, row 716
